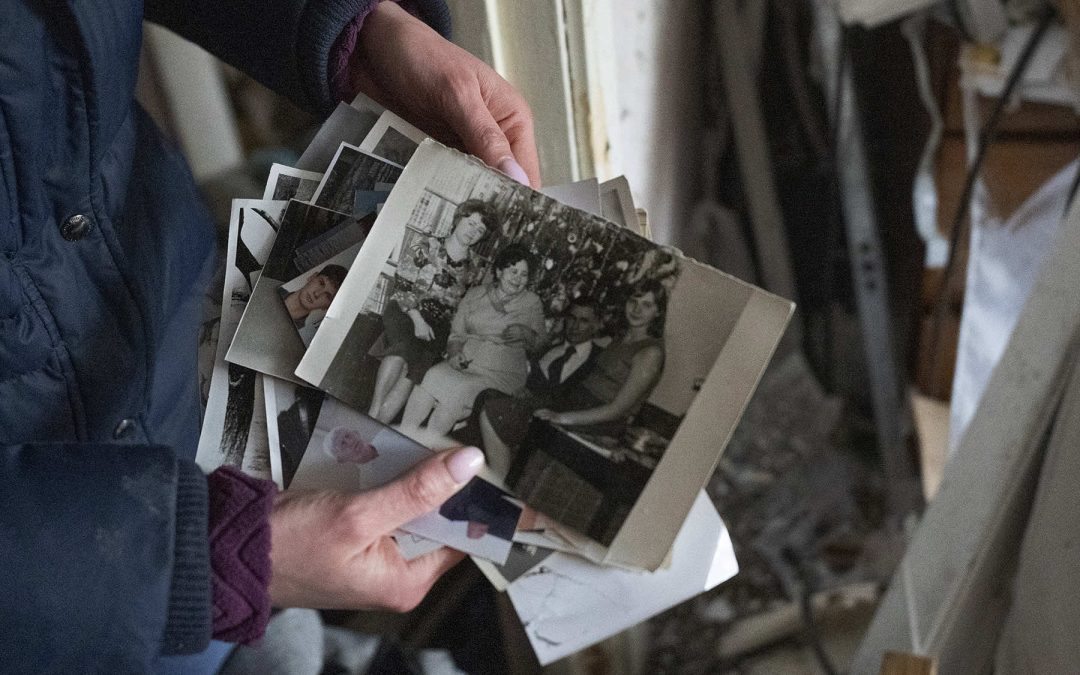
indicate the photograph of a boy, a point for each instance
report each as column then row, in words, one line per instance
column 315, row 295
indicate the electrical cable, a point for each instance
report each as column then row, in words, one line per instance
column 1072, row 192
column 924, row 196
column 953, row 12
column 814, row 130
column 986, row 137
column 836, row 211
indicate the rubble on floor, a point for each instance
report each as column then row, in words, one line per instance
column 808, row 516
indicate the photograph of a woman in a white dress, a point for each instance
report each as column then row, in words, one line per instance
column 495, row 327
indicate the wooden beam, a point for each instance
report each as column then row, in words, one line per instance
column 902, row 663
column 950, row 593
column 1044, row 614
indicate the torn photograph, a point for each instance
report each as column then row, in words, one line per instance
column 234, row 426
column 356, row 182
column 285, row 183
column 393, row 139
column 348, row 451
column 485, row 311
column 567, row 604
column 347, row 124
column 312, row 241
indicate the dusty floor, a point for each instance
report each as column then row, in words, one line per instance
column 807, row 512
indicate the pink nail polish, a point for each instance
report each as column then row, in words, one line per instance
column 464, row 464
column 511, row 168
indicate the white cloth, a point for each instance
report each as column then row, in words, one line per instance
column 1004, row 262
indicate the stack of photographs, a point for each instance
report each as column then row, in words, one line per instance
column 399, row 297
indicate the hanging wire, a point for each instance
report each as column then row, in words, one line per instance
column 1072, row 191
column 986, row 138
column 835, row 220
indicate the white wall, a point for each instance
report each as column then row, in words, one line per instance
column 631, row 80
column 653, row 127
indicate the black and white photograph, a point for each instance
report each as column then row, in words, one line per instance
column 395, row 147
column 291, row 413
column 351, row 175
column 234, row 427
column 485, row 311
column 393, row 139
column 285, row 183
column 268, row 338
column 308, row 296
column 347, row 124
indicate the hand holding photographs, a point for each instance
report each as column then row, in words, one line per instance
column 351, row 452
column 600, row 373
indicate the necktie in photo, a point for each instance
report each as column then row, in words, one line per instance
column 555, row 368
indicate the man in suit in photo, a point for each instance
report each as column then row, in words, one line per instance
column 565, row 364
column 504, row 419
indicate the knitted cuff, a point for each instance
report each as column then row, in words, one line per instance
column 240, row 554
column 345, row 45
column 187, row 626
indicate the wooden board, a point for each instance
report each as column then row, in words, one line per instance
column 949, row 595
column 902, row 663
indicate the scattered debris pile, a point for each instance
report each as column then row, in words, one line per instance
column 808, row 518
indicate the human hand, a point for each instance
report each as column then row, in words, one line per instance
column 444, row 90
column 546, row 415
column 458, row 361
column 422, row 329
column 519, row 332
column 331, row 550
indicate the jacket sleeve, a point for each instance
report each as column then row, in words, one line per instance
column 284, row 44
column 103, row 554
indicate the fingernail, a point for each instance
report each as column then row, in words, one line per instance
column 464, row 464
column 511, row 168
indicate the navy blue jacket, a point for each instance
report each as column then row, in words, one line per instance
column 104, row 247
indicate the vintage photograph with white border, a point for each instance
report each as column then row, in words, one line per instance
column 623, row 470
column 234, row 429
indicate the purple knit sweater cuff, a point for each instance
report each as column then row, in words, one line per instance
column 343, row 49
column 240, row 553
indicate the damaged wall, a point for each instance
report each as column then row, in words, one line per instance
column 654, row 126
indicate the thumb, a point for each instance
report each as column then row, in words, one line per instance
column 482, row 136
column 425, row 487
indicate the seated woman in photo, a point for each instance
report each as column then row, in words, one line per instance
column 619, row 383
column 416, row 319
column 495, row 327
